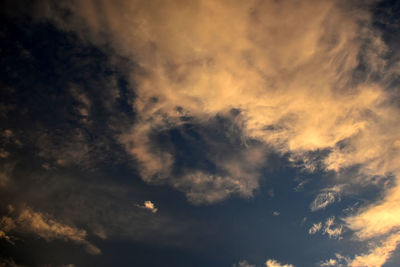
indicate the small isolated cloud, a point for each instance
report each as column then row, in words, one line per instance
column 149, row 206
column 8, row 133
column 328, row 229
column 84, row 104
column 4, row 154
column 42, row 225
column 322, row 201
column 276, row 213
column 301, row 184
column 330, row 262
column 243, row 264
column 274, row 263
column 338, row 261
column 315, row 228
column 3, row 179
column 326, row 197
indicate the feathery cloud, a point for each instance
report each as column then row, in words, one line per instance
column 29, row 221
column 315, row 228
column 326, row 197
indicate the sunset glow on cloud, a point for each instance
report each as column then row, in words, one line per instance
column 271, row 121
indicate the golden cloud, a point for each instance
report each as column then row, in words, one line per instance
column 288, row 66
column 42, row 225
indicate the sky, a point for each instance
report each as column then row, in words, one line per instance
column 259, row 133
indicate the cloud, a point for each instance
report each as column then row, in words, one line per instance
column 42, row 225
column 301, row 184
column 4, row 178
column 330, row 262
column 5, row 174
column 8, row 262
column 149, row 206
column 378, row 254
column 322, row 201
column 293, row 83
column 326, row 197
column 339, row 261
column 4, row 154
column 84, row 104
column 243, row 264
column 328, row 229
column 378, row 224
column 315, row 228
column 188, row 70
column 274, row 263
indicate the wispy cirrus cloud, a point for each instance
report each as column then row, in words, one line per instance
column 316, row 227
column 329, row 228
column 326, row 197
column 42, row 225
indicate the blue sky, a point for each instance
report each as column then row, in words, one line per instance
column 201, row 133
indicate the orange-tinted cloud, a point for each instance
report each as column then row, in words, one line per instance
column 29, row 221
column 287, row 66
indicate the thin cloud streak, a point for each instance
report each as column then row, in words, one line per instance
column 42, row 225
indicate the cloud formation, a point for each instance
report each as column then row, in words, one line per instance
column 328, row 229
column 149, row 206
column 326, row 197
column 274, row 263
column 292, row 86
column 29, row 221
column 315, row 228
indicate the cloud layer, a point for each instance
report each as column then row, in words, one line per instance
column 286, row 74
